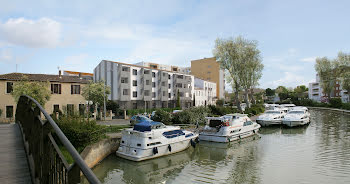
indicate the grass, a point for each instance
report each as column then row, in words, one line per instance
column 116, row 128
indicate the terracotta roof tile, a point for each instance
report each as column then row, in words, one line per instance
column 43, row 77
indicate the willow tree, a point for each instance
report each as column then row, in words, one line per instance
column 325, row 69
column 241, row 58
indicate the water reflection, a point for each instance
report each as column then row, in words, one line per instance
column 315, row 153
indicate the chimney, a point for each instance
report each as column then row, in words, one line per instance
column 79, row 75
column 59, row 73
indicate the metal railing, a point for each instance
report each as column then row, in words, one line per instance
column 46, row 161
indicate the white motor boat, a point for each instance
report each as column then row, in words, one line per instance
column 228, row 128
column 297, row 116
column 151, row 139
column 271, row 117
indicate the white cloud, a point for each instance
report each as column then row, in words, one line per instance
column 289, row 79
column 308, row 59
column 40, row 33
column 292, row 52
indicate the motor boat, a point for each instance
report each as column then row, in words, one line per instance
column 228, row 128
column 150, row 139
column 297, row 116
column 271, row 117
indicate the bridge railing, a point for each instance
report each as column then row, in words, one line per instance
column 46, row 161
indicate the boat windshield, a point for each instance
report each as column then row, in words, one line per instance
column 296, row 112
column 273, row 112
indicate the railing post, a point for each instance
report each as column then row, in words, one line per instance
column 74, row 174
column 45, row 158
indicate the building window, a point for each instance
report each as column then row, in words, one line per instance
column 169, row 95
column 9, row 111
column 180, row 76
column 134, row 93
column 75, row 89
column 134, row 83
column 153, row 74
column 164, row 74
column 134, row 72
column 9, row 87
column 124, row 80
column 163, row 83
column 125, row 69
column 153, row 94
column 55, row 88
column 146, row 92
column 147, row 82
column 146, row 72
column 164, row 93
column 169, row 77
column 169, row 86
column 70, row 109
column 153, row 84
column 125, row 92
column 56, row 108
column 81, row 109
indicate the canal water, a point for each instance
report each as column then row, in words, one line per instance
column 316, row 153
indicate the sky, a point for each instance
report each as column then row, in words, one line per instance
column 47, row 35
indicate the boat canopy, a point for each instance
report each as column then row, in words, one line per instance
column 147, row 126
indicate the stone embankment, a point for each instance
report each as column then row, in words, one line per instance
column 331, row 109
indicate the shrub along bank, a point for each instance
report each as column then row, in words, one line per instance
column 198, row 114
column 333, row 103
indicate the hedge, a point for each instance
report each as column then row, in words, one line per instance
column 131, row 112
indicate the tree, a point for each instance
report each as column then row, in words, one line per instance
column 300, row 90
column 220, row 102
column 343, row 71
column 270, row 92
column 96, row 92
column 325, row 69
column 112, row 106
column 241, row 59
column 178, row 105
column 37, row 90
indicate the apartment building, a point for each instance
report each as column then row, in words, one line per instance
column 204, row 92
column 209, row 69
column 316, row 92
column 176, row 69
column 138, row 86
column 65, row 93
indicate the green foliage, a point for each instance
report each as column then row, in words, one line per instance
column 115, row 128
column 255, row 110
column 113, row 106
column 131, row 112
column 66, row 154
column 220, row 111
column 37, row 90
column 335, row 102
column 325, row 69
column 178, row 105
column 270, row 92
column 220, row 102
column 79, row 132
column 191, row 116
column 346, row 106
column 96, row 92
column 162, row 116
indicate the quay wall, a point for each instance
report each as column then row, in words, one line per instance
column 331, row 109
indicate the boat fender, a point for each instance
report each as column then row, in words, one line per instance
column 253, row 131
column 229, row 140
column 193, row 144
column 197, row 140
column 239, row 136
column 155, row 150
column 169, row 147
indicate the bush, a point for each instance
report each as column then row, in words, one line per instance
column 346, row 106
column 80, row 132
column 255, row 110
column 113, row 106
column 162, row 116
column 0, row 112
column 220, row 111
column 131, row 112
column 335, row 102
column 191, row 116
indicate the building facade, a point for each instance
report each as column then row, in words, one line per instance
column 65, row 93
column 209, row 69
column 141, row 86
column 176, row 69
column 316, row 92
column 204, row 92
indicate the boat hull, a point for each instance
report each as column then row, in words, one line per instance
column 228, row 138
column 269, row 122
column 294, row 123
column 145, row 154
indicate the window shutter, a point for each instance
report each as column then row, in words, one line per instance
column 71, row 89
column 59, row 88
column 51, row 88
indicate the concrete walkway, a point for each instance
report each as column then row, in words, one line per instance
column 115, row 122
column 14, row 166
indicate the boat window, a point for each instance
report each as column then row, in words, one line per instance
column 149, row 137
column 215, row 122
column 247, row 123
column 189, row 135
column 173, row 133
column 296, row 112
column 153, row 143
column 138, row 144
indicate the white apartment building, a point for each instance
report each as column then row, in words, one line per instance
column 204, row 92
column 316, row 92
column 177, row 69
column 137, row 86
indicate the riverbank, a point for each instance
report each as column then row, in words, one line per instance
column 331, row 109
